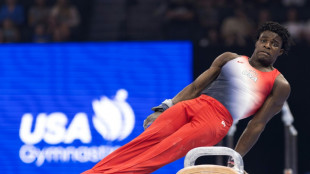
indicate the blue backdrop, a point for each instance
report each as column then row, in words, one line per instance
column 63, row 107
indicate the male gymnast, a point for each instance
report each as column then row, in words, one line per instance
column 234, row 87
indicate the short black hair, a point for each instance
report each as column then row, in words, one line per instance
column 280, row 30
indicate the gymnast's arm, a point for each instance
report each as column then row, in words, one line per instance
column 272, row 105
column 194, row 89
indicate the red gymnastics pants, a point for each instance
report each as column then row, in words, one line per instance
column 202, row 121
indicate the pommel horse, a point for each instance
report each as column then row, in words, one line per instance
column 192, row 155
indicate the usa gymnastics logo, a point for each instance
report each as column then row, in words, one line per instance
column 113, row 119
column 250, row 74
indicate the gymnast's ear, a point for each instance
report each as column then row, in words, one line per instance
column 281, row 52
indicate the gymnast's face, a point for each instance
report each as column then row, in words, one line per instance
column 268, row 47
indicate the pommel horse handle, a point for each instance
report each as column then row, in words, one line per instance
column 195, row 153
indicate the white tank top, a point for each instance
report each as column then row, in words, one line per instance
column 241, row 88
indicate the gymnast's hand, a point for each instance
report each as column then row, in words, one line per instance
column 150, row 119
column 231, row 164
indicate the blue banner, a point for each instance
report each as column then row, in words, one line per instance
column 64, row 107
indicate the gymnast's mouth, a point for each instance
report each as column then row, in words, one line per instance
column 264, row 52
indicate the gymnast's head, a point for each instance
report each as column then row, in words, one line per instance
column 273, row 40
column 279, row 30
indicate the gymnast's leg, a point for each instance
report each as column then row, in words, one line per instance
column 205, row 128
column 167, row 123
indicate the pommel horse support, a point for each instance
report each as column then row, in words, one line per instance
column 192, row 155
